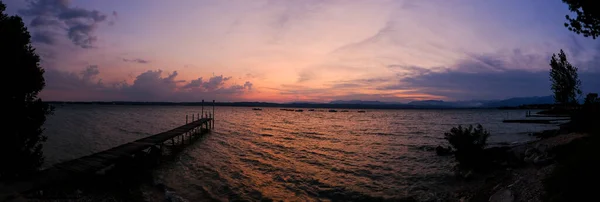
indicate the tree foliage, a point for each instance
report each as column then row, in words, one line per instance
column 468, row 143
column 565, row 81
column 24, row 115
column 587, row 21
column 591, row 99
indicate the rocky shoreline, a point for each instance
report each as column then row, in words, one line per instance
column 521, row 177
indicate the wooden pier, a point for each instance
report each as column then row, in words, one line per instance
column 102, row 161
column 540, row 121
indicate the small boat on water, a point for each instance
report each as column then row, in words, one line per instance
column 258, row 109
column 344, row 110
column 311, row 110
column 332, row 110
column 299, row 110
column 361, row 111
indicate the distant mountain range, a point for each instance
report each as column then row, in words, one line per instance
column 511, row 102
column 358, row 104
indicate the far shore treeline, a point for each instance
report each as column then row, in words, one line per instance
column 302, row 105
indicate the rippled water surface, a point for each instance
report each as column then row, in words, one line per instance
column 283, row 155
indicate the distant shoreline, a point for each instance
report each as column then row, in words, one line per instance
column 281, row 105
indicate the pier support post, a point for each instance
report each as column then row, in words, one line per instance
column 212, row 121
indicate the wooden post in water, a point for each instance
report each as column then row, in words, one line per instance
column 212, row 121
column 193, row 131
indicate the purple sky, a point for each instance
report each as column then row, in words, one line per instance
column 309, row 50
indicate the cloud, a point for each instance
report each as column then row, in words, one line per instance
column 348, row 92
column 305, row 75
column 491, row 76
column 489, row 85
column 43, row 37
column 215, row 82
column 478, row 76
column 367, row 83
column 90, row 72
column 483, row 85
column 152, row 85
column 196, row 83
column 248, row 85
column 136, row 60
column 50, row 16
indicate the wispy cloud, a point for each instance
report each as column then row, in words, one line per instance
column 136, row 60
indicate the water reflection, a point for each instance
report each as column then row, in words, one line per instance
column 286, row 155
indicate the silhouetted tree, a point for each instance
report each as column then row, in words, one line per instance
column 24, row 113
column 591, row 98
column 565, row 81
column 587, row 21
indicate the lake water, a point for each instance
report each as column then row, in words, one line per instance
column 283, row 155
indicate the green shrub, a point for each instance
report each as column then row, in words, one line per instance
column 468, row 143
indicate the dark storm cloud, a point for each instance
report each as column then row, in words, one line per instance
column 136, row 60
column 80, row 24
column 152, row 85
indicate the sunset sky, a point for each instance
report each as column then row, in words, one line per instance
column 302, row 50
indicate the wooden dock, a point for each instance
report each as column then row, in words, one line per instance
column 98, row 161
column 539, row 121
column 101, row 161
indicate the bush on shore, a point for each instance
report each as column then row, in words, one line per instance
column 468, row 143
